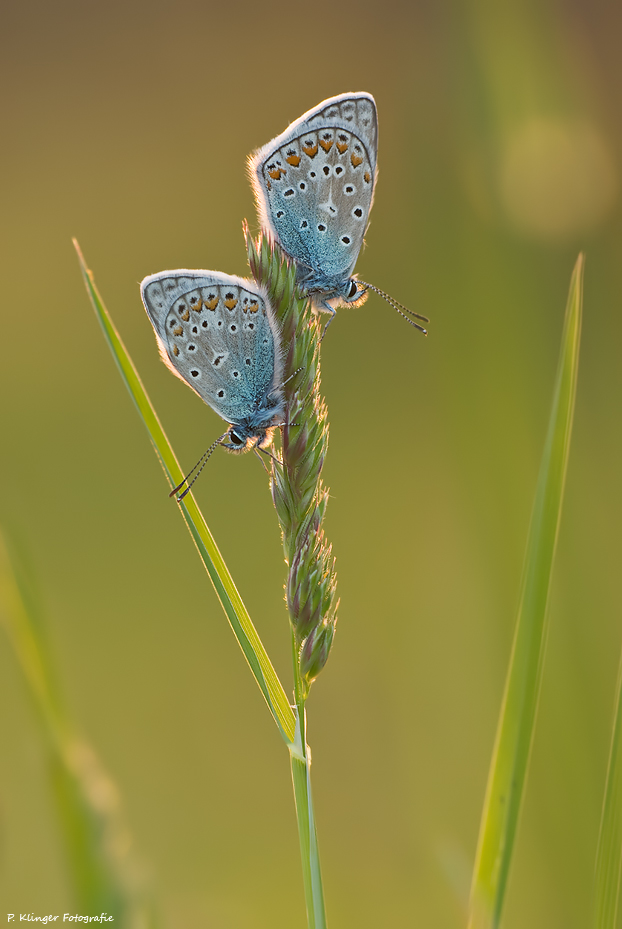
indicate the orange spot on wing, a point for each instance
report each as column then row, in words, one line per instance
column 197, row 305
column 310, row 149
column 175, row 350
column 355, row 160
column 178, row 330
column 342, row 147
column 253, row 307
column 185, row 314
column 231, row 303
column 293, row 160
column 212, row 302
column 268, row 185
column 277, row 173
column 367, row 177
column 326, row 144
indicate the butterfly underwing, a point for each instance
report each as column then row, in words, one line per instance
column 314, row 186
column 219, row 334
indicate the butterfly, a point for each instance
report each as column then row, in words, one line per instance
column 314, row 186
column 219, row 334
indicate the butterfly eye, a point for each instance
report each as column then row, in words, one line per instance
column 235, row 439
column 353, row 290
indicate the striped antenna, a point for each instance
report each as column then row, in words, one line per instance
column 202, row 462
column 401, row 309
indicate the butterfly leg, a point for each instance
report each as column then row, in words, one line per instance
column 297, row 371
column 286, row 381
column 263, row 464
column 326, row 307
column 264, row 451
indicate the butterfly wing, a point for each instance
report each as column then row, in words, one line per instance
column 218, row 333
column 314, row 184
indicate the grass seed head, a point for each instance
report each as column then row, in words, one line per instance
column 298, row 493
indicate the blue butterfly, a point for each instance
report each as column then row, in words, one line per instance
column 314, row 185
column 219, row 334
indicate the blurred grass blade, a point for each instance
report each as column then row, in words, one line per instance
column 506, row 778
column 609, row 854
column 97, row 842
column 232, row 604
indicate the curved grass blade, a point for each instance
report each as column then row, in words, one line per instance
column 227, row 593
column 506, row 778
column 103, row 873
column 609, row 854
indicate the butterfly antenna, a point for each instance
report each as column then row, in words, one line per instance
column 401, row 309
column 201, row 462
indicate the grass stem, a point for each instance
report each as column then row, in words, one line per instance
column 300, row 501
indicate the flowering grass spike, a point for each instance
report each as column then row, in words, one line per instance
column 298, row 493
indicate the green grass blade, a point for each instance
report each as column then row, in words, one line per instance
column 609, row 854
column 506, row 779
column 103, row 874
column 227, row 593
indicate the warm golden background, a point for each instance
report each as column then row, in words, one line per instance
column 127, row 124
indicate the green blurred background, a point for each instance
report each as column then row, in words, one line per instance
column 127, row 124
